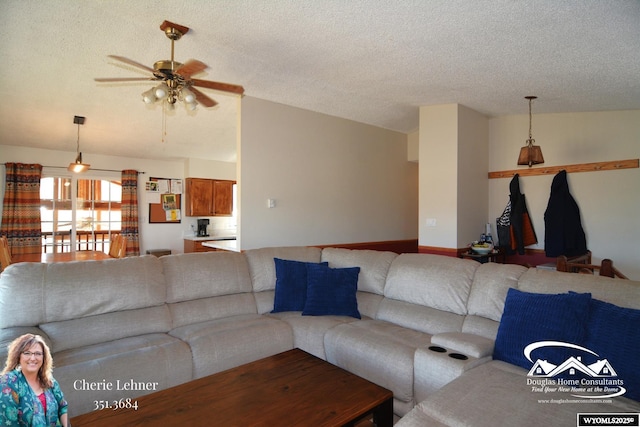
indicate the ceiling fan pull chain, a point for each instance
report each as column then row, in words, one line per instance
column 164, row 122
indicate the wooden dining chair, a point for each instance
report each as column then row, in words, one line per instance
column 123, row 247
column 5, row 253
column 115, row 246
column 583, row 264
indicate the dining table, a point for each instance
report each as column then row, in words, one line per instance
column 52, row 257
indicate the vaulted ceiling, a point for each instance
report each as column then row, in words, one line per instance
column 372, row 61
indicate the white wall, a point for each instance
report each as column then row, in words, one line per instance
column 333, row 180
column 453, row 169
column 609, row 201
column 153, row 236
column 200, row 168
column 413, row 146
column 438, row 155
column 473, row 191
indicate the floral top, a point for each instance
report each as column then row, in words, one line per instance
column 19, row 405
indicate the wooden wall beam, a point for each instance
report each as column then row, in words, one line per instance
column 580, row 167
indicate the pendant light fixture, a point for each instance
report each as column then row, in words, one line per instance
column 530, row 154
column 78, row 166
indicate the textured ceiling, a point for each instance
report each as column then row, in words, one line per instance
column 371, row 61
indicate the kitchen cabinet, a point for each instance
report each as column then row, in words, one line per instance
column 223, row 197
column 208, row 197
column 196, row 246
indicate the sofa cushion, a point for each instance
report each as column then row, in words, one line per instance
column 291, row 285
column 221, row 344
column 262, row 268
column 418, row 317
column 207, row 274
column 331, row 291
column 530, row 318
column 204, row 309
column 374, row 265
column 70, row 290
column 435, row 281
column 308, row 331
column 614, row 334
column 489, row 288
column 379, row 351
column 90, row 330
column 625, row 293
column 368, row 303
column 20, row 287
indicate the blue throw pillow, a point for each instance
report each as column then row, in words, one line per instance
column 614, row 334
column 331, row 291
column 530, row 317
column 291, row 285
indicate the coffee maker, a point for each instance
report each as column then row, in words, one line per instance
column 202, row 227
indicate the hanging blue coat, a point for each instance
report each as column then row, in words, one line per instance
column 563, row 234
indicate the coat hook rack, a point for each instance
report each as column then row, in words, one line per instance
column 580, row 167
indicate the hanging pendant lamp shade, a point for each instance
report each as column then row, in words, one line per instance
column 78, row 166
column 530, row 154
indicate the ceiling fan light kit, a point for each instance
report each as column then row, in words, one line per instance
column 175, row 79
column 530, row 154
column 77, row 166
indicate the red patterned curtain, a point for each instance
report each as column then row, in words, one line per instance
column 21, row 208
column 129, row 210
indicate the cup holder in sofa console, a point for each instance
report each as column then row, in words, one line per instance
column 437, row 349
column 458, row 356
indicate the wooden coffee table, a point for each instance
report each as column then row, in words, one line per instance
column 293, row 388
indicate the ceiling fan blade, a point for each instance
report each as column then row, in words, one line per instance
column 123, row 79
column 191, row 67
column 225, row 87
column 132, row 62
column 202, row 98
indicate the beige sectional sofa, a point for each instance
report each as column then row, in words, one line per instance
column 427, row 330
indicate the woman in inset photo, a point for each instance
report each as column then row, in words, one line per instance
column 29, row 395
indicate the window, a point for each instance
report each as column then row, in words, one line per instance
column 79, row 214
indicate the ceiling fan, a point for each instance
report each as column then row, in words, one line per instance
column 176, row 83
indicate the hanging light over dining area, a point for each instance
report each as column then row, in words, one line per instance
column 77, row 166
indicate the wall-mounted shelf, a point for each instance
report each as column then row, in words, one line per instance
column 580, row 167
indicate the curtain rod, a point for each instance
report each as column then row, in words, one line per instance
column 92, row 169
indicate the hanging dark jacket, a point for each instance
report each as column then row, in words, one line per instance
column 522, row 232
column 563, row 234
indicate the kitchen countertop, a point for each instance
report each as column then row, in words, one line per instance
column 225, row 245
column 210, row 238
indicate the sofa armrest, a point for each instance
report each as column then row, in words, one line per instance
column 468, row 344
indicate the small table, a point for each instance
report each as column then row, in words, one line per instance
column 293, row 388
column 482, row 258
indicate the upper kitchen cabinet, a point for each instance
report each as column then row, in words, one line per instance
column 223, row 197
column 208, row 197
